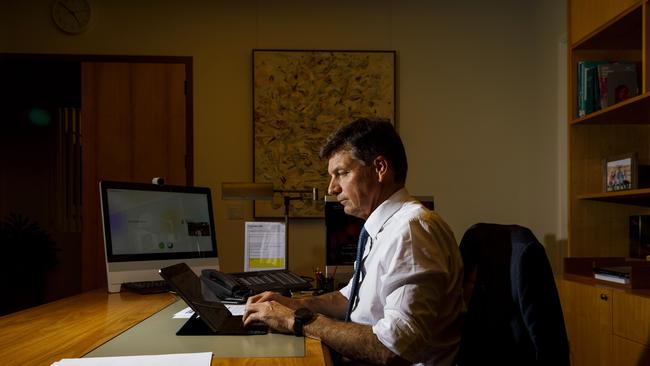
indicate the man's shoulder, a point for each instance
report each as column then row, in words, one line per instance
column 414, row 210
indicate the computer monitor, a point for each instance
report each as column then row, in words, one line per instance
column 341, row 234
column 148, row 227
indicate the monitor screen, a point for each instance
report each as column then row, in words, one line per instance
column 341, row 235
column 146, row 226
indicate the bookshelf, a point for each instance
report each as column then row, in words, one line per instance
column 603, row 319
column 598, row 220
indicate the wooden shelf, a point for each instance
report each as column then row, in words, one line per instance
column 635, row 110
column 619, row 33
column 637, row 197
column 584, row 267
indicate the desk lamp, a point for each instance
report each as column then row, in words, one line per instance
column 249, row 191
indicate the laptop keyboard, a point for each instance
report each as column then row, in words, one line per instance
column 147, row 287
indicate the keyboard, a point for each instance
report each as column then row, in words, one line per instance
column 147, row 287
column 276, row 280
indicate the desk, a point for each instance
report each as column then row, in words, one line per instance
column 74, row 326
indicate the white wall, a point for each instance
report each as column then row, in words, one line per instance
column 480, row 104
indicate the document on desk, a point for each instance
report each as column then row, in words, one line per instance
column 188, row 312
column 264, row 244
column 189, row 359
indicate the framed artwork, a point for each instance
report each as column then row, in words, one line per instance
column 299, row 98
column 620, row 173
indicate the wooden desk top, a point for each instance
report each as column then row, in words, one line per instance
column 74, row 326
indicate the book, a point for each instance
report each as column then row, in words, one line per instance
column 617, row 82
column 588, row 86
column 612, row 278
column 616, row 274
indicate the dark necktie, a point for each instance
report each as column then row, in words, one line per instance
column 363, row 238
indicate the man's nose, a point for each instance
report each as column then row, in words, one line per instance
column 333, row 188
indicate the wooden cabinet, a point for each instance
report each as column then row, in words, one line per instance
column 587, row 316
column 599, row 220
column 606, row 326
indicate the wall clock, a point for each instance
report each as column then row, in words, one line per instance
column 71, row 16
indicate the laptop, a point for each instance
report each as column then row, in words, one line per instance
column 211, row 317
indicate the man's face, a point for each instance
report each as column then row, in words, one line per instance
column 354, row 184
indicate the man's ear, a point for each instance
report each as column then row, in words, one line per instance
column 380, row 164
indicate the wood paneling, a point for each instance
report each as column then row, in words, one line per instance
column 630, row 353
column 133, row 129
column 586, row 16
column 630, row 317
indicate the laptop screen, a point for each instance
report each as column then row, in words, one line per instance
column 206, row 306
column 200, row 298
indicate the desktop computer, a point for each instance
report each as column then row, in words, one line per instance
column 150, row 226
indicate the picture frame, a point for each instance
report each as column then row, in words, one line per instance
column 299, row 98
column 620, row 172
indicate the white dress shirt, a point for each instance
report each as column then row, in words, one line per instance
column 412, row 290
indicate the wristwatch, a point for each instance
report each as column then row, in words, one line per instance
column 302, row 317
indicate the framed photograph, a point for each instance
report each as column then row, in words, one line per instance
column 620, row 173
column 299, row 98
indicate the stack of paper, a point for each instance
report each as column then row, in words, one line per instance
column 188, row 359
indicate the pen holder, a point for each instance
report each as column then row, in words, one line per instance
column 328, row 284
column 323, row 283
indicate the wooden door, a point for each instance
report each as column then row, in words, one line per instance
column 134, row 128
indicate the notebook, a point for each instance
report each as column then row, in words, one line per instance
column 211, row 317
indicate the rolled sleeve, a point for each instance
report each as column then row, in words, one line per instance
column 415, row 321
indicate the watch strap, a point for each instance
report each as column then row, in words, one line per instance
column 302, row 317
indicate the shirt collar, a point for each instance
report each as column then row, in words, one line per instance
column 385, row 211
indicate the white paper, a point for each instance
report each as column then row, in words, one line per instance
column 186, row 359
column 264, row 246
column 235, row 309
column 184, row 314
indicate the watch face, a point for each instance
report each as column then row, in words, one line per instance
column 71, row 16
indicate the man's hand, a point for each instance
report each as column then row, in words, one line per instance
column 274, row 296
column 276, row 315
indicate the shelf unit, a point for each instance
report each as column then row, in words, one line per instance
column 607, row 324
column 599, row 220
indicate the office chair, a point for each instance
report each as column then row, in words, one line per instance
column 514, row 316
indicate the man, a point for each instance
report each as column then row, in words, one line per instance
column 410, row 275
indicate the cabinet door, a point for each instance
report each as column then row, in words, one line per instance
column 133, row 129
column 631, row 329
column 629, row 353
column 588, row 317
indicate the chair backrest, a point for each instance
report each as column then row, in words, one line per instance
column 514, row 314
